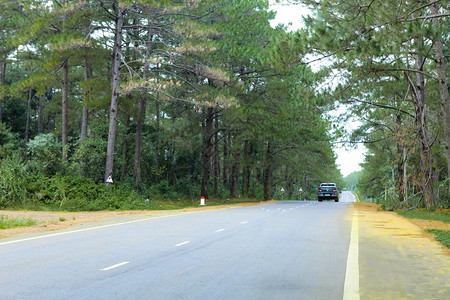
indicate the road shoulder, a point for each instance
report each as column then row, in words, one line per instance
column 397, row 259
column 48, row 221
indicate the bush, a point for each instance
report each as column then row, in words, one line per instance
column 13, row 182
column 77, row 193
column 9, row 142
column 188, row 187
column 161, row 190
column 46, row 154
column 90, row 158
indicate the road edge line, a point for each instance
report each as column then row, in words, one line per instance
column 351, row 283
column 66, row 232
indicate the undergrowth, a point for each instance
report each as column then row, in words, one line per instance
column 7, row 223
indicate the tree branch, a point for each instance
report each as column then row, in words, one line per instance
column 382, row 106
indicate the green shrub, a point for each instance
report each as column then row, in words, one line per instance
column 13, row 182
column 188, row 187
column 77, row 193
column 9, row 142
column 46, row 154
column 162, row 190
column 89, row 159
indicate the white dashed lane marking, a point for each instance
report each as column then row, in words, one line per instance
column 115, row 266
column 183, row 243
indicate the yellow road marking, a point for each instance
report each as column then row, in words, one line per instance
column 351, row 283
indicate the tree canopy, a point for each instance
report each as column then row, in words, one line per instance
column 176, row 99
column 170, row 99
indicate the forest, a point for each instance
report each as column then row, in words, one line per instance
column 110, row 104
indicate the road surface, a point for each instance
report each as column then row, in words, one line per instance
column 282, row 250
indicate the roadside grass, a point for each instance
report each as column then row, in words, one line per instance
column 150, row 204
column 443, row 216
column 7, row 223
column 180, row 204
column 442, row 236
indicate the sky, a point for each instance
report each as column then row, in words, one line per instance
column 348, row 160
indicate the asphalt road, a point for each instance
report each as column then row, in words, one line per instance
column 282, row 250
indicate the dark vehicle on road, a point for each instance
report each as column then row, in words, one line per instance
column 328, row 191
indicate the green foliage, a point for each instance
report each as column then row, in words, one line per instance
column 9, row 142
column 373, row 47
column 442, row 236
column 13, row 182
column 89, row 159
column 351, row 181
column 45, row 154
column 7, row 223
column 77, row 193
column 221, row 54
column 162, row 190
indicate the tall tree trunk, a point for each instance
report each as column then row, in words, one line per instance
column 142, row 103
column 40, row 126
column 137, row 152
column 424, row 146
column 443, row 89
column 27, row 123
column 225, row 160
column 268, row 173
column 207, row 149
column 65, row 110
column 248, row 176
column 172, row 154
column 216, row 163
column 245, row 169
column 400, row 162
column 87, row 77
column 235, row 173
column 115, row 94
column 2, row 82
column 125, row 148
column 85, row 117
column 291, row 184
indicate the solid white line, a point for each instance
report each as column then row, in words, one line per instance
column 219, row 230
column 351, row 283
column 181, row 244
column 245, row 222
column 94, row 228
column 115, row 266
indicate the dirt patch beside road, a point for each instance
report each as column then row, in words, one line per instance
column 422, row 224
column 50, row 221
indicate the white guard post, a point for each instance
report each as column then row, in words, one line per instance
column 202, row 200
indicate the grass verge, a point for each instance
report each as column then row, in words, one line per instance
column 180, row 204
column 442, row 236
column 7, row 223
column 443, row 216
